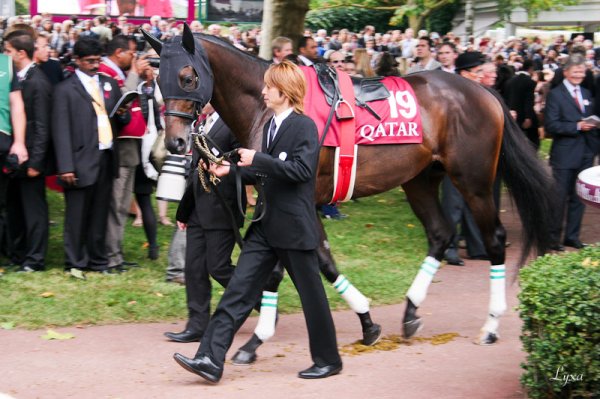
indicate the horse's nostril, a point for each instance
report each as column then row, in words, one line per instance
column 176, row 146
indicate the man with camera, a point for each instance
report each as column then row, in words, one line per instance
column 121, row 57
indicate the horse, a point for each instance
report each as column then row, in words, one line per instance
column 468, row 135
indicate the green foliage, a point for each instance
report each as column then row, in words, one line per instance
column 379, row 247
column 440, row 20
column 22, row 7
column 354, row 19
column 533, row 7
column 560, row 308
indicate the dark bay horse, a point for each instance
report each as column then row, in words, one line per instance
column 468, row 134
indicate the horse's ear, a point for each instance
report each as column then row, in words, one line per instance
column 188, row 39
column 154, row 42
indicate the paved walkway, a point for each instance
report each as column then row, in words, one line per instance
column 134, row 361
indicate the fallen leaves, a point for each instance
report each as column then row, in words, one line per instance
column 51, row 334
column 47, row 294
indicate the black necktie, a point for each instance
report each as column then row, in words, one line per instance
column 271, row 136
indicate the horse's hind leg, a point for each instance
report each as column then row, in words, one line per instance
column 422, row 194
column 494, row 238
column 355, row 299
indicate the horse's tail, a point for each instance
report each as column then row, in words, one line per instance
column 530, row 185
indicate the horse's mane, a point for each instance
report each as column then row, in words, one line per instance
column 222, row 42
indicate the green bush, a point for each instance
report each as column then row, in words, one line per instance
column 560, row 308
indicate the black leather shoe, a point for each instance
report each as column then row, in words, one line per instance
column 201, row 365
column 117, row 269
column 29, row 269
column 557, row 247
column 574, row 244
column 315, row 371
column 184, row 336
column 455, row 261
column 129, row 264
column 153, row 253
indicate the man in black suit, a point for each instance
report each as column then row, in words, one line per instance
column 286, row 169
column 28, row 216
column 210, row 237
column 86, row 161
column 573, row 148
column 520, row 95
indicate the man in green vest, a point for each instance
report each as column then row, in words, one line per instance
column 12, row 131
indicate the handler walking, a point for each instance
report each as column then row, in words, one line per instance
column 286, row 168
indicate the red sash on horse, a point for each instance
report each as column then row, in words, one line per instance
column 400, row 123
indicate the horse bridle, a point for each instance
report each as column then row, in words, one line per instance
column 193, row 116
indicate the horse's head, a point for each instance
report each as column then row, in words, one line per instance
column 186, row 84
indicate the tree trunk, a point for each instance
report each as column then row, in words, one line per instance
column 282, row 18
column 469, row 17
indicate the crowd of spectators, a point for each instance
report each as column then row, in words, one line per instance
column 367, row 53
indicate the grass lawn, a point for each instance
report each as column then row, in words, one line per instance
column 378, row 247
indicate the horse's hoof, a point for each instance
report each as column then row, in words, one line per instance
column 487, row 338
column 243, row 358
column 412, row 327
column 372, row 335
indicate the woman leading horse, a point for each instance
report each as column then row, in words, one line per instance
column 468, row 134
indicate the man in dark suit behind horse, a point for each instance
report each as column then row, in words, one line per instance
column 520, row 95
column 28, row 216
column 86, row 157
column 286, row 168
column 573, row 148
column 210, row 237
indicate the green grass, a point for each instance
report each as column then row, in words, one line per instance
column 378, row 247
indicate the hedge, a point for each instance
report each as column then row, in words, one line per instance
column 560, row 309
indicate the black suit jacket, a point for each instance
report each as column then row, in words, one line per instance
column 288, row 169
column 75, row 128
column 197, row 207
column 571, row 149
column 520, row 93
column 37, row 97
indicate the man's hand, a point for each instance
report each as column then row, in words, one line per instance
column 246, row 157
column 181, row 226
column 139, row 65
column 20, row 150
column 584, row 126
column 69, row 178
column 220, row 170
column 526, row 123
column 31, row 172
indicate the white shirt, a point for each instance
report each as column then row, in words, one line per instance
column 23, row 72
column 114, row 67
column 278, row 120
column 305, row 60
column 210, row 121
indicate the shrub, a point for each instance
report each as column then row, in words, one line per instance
column 560, row 309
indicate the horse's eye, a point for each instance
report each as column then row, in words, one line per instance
column 188, row 80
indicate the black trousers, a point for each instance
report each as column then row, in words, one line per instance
column 255, row 264
column 28, row 221
column 208, row 254
column 86, row 216
column 456, row 211
column 567, row 198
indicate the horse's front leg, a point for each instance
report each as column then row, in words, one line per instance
column 355, row 299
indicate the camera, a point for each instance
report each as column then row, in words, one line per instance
column 154, row 61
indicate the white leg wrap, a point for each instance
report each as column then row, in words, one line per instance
column 265, row 328
column 357, row 301
column 418, row 290
column 497, row 305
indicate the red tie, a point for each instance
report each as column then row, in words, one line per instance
column 576, row 98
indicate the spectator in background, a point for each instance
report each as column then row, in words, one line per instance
column 362, row 61
column 86, row 161
column 282, row 47
column 102, row 30
column 574, row 145
column 41, row 56
column 425, row 59
column 387, row 65
column 336, row 60
column 28, row 216
column 446, row 55
column 520, row 97
column 307, row 51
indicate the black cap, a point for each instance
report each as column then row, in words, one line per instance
column 468, row 60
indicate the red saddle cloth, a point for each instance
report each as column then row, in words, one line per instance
column 400, row 116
